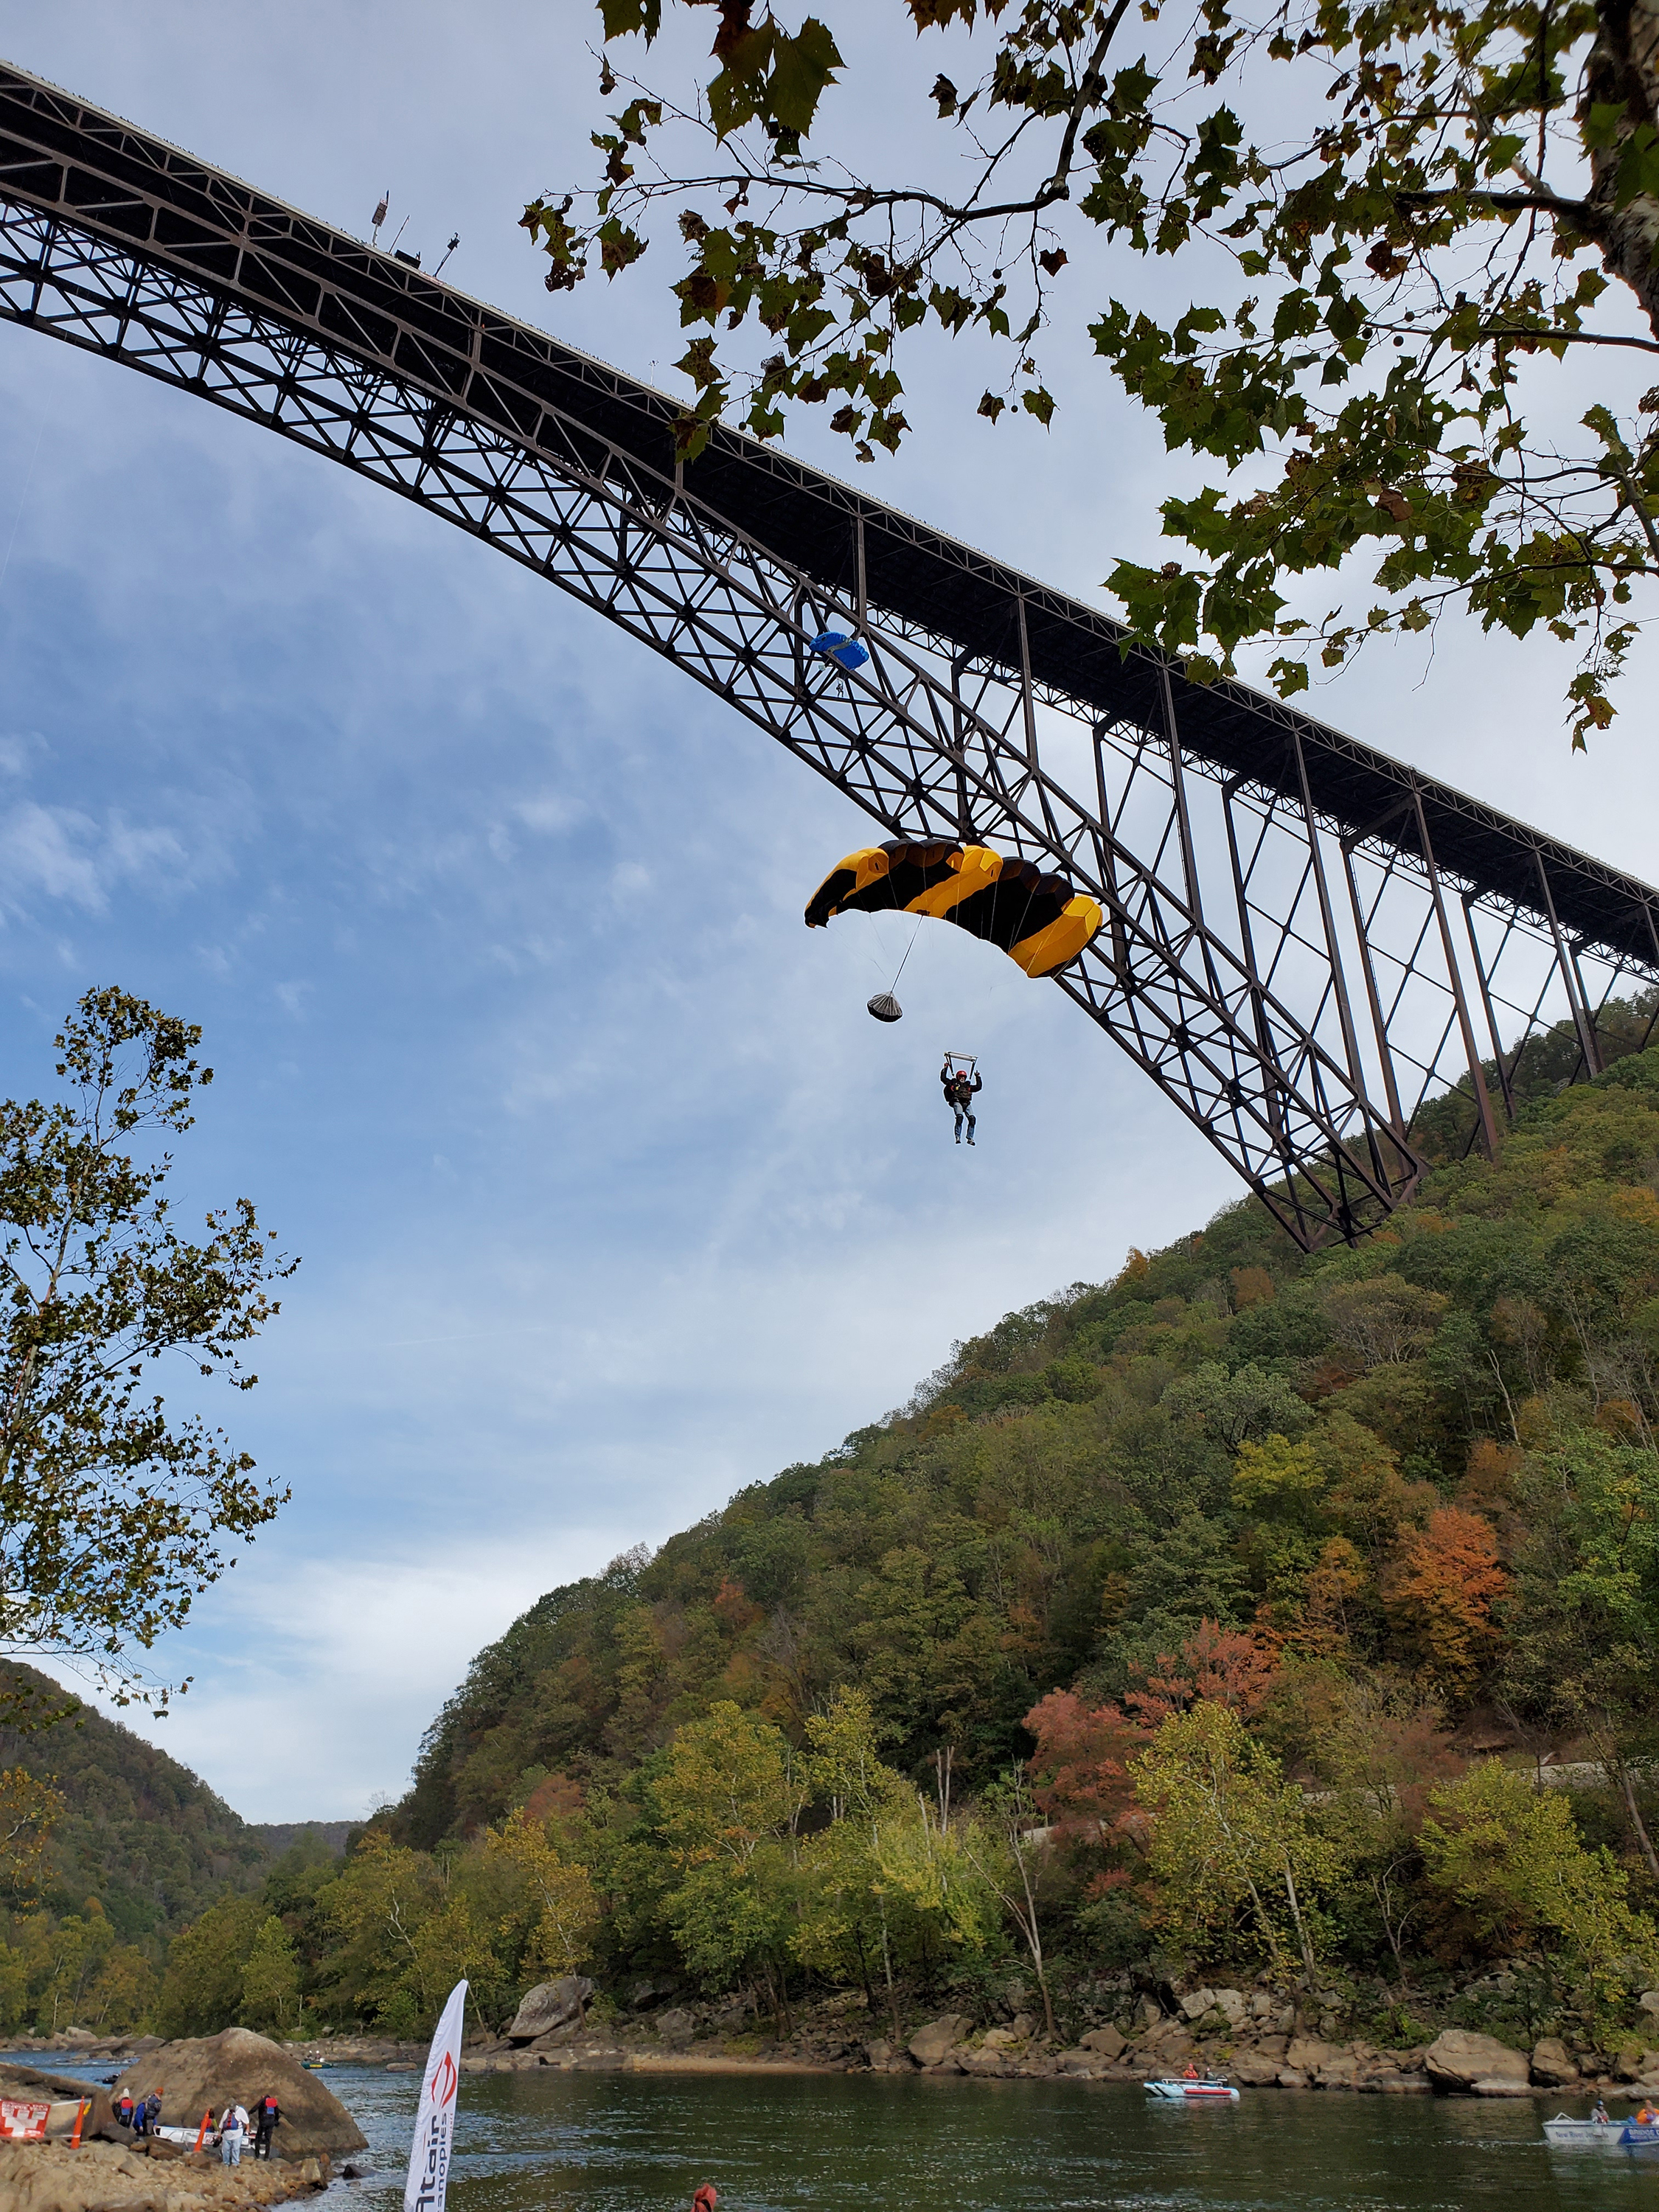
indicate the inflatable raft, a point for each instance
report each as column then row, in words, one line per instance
column 1191, row 2089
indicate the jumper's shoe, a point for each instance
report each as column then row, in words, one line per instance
column 970, row 1140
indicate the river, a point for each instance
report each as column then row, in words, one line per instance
column 861, row 2143
column 837, row 2143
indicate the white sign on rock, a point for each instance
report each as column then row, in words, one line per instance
column 434, row 2120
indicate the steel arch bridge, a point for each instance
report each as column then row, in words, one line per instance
column 1307, row 941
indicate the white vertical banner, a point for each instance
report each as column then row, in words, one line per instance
column 434, row 2122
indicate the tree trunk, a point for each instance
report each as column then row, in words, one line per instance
column 1623, row 71
column 887, row 1968
column 1638, row 1824
column 1301, row 1931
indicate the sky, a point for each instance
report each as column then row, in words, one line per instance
column 610, row 1198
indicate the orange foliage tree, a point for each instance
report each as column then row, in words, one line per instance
column 1079, row 1773
column 1229, row 1667
column 1439, row 1591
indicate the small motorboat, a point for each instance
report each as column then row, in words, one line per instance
column 1592, row 2134
column 1191, row 2089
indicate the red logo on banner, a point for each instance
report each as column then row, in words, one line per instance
column 444, row 2082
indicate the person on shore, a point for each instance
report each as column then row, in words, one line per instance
column 267, row 2119
column 232, row 2133
column 140, row 2116
column 123, row 2108
column 152, row 2112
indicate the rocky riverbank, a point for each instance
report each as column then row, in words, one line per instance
column 101, row 2177
column 1252, row 2036
column 1118, row 2033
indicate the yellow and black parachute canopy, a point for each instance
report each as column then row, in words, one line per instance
column 1038, row 920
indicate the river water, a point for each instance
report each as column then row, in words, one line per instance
column 839, row 2142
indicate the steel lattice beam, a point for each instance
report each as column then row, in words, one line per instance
column 1232, row 842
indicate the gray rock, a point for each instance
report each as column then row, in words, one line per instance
column 880, row 2054
column 1649, row 2001
column 1462, row 2062
column 1553, row 2066
column 996, row 2064
column 1196, row 2003
column 549, row 2005
column 1231, row 2005
column 1107, row 2041
column 1254, row 2070
column 1292, row 2077
column 929, row 2044
column 1501, row 2085
column 1307, row 2051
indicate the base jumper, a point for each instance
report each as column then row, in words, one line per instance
column 959, row 1088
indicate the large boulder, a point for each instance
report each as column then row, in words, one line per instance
column 551, row 2005
column 206, row 2073
column 1307, row 2053
column 1107, row 2041
column 930, row 2045
column 1468, row 2064
column 1254, row 2070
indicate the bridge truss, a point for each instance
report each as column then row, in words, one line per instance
column 1307, row 942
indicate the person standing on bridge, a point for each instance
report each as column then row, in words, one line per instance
column 959, row 1089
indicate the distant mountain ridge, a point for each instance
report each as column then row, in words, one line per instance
column 140, row 1832
column 280, row 1836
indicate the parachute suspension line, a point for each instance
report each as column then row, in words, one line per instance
column 908, row 950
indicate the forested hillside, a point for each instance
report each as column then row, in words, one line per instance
column 140, row 1832
column 1431, row 1456
column 139, row 1849
column 1233, row 1613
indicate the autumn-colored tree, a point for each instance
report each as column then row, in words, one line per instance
column 1080, row 1774
column 271, row 1983
column 405, row 1940
column 563, row 1909
column 1009, row 1861
column 1227, row 1834
column 728, row 1798
column 1508, row 1866
column 1332, row 1595
column 1228, row 1668
column 29, row 1810
column 1439, row 1591
column 1409, row 221
column 1379, row 1747
column 97, row 1289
